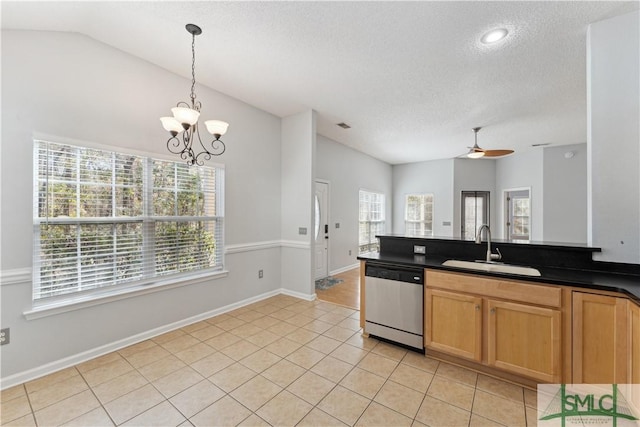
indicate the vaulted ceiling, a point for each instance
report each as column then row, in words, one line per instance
column 410, row 78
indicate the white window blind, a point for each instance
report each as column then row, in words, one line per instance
column 418, row 215
column 372, row 220
column 105, row 219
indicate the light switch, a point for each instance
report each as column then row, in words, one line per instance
column 302, row 230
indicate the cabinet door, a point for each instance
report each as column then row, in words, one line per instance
column 453, row 323
column 524, row 339
column 600, row 339
column 635, row 344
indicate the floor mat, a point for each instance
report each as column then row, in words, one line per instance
column 327, row 282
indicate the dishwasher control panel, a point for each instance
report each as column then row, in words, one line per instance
column 399, row 274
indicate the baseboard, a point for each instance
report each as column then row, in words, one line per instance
column 343, row 269
column 76, row 359
column 307, row 297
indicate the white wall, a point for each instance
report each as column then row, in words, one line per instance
column 565, row 193
column 613, row 136
column 298, row 188
column 523, row 170
column 71, row 86
column 473, row 175
column 348, row 171
column 425, row 177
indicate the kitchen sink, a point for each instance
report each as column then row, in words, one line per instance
column 492, row 267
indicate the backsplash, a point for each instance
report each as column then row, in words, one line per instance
column 539, row 254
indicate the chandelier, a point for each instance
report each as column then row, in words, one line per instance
column 183, row 126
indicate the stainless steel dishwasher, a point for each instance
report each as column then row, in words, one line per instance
column 394, row 299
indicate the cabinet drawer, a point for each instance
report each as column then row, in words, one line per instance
column 497, row 288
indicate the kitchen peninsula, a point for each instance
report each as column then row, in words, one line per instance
column 577, row 322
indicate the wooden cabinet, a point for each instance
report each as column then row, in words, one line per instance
column 453, row 323
column 600, row 339
column 635, row 345
column 524, row 339
column 506, row 324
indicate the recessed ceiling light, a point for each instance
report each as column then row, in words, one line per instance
column 494, row 36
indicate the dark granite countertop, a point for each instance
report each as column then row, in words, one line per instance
column 531, row 243
column 628, row 284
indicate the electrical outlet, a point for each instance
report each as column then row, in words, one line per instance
column 419, row 249
column 260, row 274
column 337, row 225
column 5, row 336
column 302, row 230
column 349, row 251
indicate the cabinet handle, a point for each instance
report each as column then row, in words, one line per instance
column 492, row 311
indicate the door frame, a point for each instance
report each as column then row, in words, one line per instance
column 328, row 210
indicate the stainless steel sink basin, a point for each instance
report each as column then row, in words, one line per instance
column 492, row 267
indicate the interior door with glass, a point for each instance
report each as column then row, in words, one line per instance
column 321, row 230
column 518, row 215
column 475, row 212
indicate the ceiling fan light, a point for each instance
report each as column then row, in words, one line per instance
column 216, row 127
column 494, row 36
column 170, row 124
column 475, row 154
column 185, row 115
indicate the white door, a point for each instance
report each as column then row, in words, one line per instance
column 321, row 231
column 518, row 214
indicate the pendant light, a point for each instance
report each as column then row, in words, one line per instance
column 185, row 137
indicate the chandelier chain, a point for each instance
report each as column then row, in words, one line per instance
column 193, row 68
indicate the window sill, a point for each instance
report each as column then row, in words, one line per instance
column 80, row 302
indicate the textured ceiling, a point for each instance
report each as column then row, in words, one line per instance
column 410, row 78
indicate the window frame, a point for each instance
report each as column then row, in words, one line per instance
column 147, row 283
column 424, row 222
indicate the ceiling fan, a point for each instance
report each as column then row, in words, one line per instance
column 476, row 152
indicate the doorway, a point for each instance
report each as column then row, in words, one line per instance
column 475, row 212
column 321, row 230
column 517, row 204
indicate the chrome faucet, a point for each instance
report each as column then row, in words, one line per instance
column 490, row 256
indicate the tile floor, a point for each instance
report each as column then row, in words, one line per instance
column 281, row 361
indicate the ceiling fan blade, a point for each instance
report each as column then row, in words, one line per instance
column 496, row 153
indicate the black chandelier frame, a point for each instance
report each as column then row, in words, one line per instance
column 184, row 145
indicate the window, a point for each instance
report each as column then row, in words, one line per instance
column 372, row 211
column 475, row 212
column 418, row 215
column 104, row 219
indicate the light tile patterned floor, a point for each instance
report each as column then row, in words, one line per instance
column 281, row 361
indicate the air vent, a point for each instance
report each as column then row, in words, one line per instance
column 541, row 145
column 343, row 125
